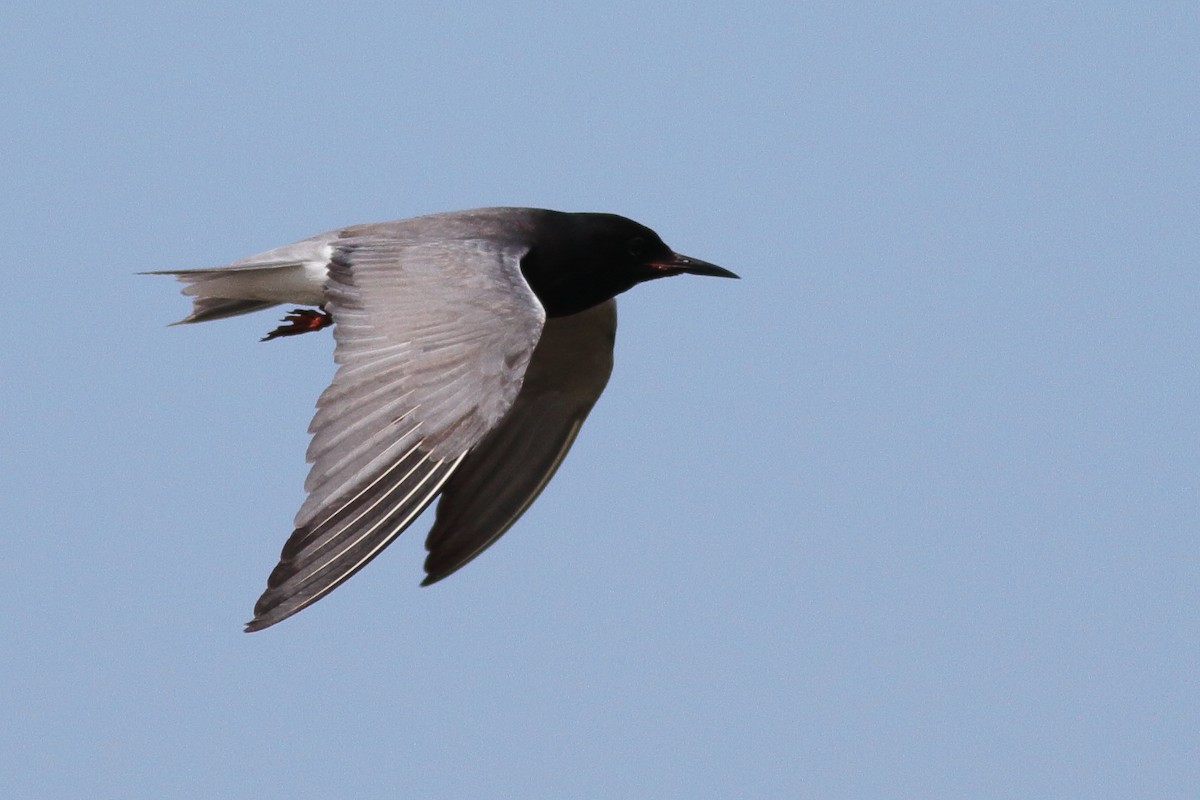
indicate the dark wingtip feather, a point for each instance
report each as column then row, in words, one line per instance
column 430, row 580
column 268, row 611
column 271, row 609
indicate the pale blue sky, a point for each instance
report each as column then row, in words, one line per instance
column 911, row 511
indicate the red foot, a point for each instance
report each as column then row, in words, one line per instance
column 300, row 320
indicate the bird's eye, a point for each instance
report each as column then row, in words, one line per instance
column 636, row 246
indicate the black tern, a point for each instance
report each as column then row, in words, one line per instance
column 470, row 346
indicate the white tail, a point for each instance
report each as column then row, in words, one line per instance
column 292, row 274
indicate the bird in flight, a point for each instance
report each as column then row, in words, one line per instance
column 470, row 346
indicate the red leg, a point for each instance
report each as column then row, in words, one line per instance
column 301, row 320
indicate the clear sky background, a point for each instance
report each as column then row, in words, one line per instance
column 911, row 511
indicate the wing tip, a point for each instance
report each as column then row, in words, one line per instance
column 435, row 572
column 275, row 606
column 266, row 617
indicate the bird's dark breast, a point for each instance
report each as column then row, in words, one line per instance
column 566, row 287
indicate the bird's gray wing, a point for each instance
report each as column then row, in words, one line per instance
column 432, row 344
column 504, row 474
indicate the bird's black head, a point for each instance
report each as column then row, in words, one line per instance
column 580, row 260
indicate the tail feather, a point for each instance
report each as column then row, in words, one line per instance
column 207, row 308
column 240, row 289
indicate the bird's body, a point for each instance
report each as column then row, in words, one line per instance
column 470, row 347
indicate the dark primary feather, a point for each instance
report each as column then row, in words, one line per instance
column 320, row 557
